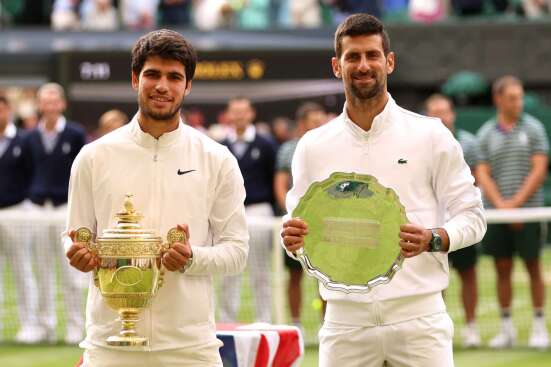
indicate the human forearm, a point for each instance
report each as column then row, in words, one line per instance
column 532, row 182
column 487, row 185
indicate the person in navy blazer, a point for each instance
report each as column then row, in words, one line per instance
column 50, row 149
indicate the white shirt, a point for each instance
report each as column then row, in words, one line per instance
column 435, row 180
column 49, row 138
column 7, row 137
column 240, row 144
column 209, row 198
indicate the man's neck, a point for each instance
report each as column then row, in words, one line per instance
column 362, row 112
column 50, row 123
column 507, row 120
column 156, row 128
column 240, row 132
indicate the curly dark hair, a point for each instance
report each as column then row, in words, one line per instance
column 166, row 44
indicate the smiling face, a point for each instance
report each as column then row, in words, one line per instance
column 363, row 67
column 161, row 86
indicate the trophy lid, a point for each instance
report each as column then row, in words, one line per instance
column 128, row 226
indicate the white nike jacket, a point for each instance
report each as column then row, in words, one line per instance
column 421, row 161
column 182, row 177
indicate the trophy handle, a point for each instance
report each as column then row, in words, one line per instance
column 84, row 236
column 172, row 236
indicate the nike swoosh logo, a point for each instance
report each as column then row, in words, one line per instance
column 180, row 172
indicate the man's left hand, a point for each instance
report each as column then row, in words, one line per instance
column 179, row 253
column 414, row 239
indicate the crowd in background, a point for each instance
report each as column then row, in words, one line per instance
column 111, row 15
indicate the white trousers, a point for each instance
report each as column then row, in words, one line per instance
column 259, row 267
column 15, row 250
column 206, row 356
column 421, row 342
column 48, row 250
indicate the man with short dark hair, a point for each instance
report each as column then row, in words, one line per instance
column 403, row 322
column 512, row 167
column 180, row 177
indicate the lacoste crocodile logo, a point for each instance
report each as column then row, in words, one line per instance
column 180, row 172
column 402, row 161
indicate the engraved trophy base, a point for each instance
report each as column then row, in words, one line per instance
column 128, row 337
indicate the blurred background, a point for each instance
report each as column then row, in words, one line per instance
column 276, row 54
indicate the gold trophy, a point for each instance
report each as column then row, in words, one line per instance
column 130, row 271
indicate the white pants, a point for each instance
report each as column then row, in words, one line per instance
column 48, row 250
column 15, row 248
column 421, row 342
column 259, row 266
column 200, row 357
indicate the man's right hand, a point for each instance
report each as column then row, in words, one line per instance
column 293, row 234
column 80, row 257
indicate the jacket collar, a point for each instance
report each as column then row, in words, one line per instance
column 10, row 131
column 380, row 122
column 248, row 136
column 59, row 125
column 146, row 140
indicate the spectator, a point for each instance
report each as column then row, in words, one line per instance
column 512, row 167
column 256, row 157
column 254, row 14
column 536, row 8
column 212, row 14
column 305, row 13
column 344, row 8
column 111, row 120
column 65, row 15
column 139, row 15
column 281, row 129
column 50, row 150
column 176, row 12
column 309, row 116
column 427, row 11
column 14, row 242
column 463, row 260
column 99, row 15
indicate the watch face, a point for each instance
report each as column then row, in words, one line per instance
column 436, row 242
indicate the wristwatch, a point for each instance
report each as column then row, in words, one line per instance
column 187, row 265
column 435, row 244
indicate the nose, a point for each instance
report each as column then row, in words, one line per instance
column 162, row 85
column 364, row 65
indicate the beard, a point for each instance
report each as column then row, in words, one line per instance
column 158, row 115
column 367, row 92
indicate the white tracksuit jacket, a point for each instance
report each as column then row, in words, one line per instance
column 434, row 181
column 209, row 199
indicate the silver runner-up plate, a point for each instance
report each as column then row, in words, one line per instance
column 354, row 222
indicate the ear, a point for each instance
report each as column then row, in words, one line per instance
column 188, row 88
column 135, row 81
column 336, row 67
column 390, row 62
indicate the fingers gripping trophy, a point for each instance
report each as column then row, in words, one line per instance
column 129, row 272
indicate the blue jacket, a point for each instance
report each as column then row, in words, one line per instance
column 51, row 171
column 257, row 167
column 14, row 178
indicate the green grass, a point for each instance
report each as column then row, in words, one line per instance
column 488, row 320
